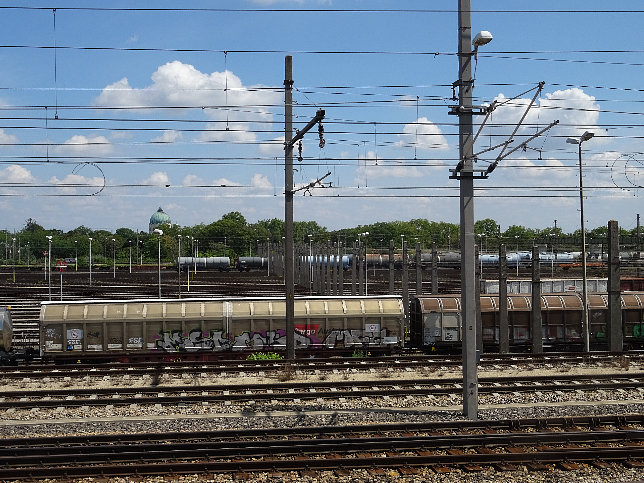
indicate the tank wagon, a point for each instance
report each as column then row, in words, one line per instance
column 6, row 334
column 247, row 263
column 200, row 328
column 435, row 321
column 204, row 263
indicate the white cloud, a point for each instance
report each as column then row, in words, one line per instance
column 423, row 134
column 77, row 184
column 169, row 136
column 16, row 174
column 549, row 169
column 225, row 182
column 260, row 181
column 7, row 138
column 233, row 132
column 192, row 180
column 79, row 145
column 158, row 178
column 576, row 111
column 176, row 84
column 370, row 169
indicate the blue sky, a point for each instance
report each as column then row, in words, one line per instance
column 184, row 110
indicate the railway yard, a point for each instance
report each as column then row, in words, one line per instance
column 547, row 417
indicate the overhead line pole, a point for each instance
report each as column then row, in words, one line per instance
column 289, row 142
column 288, row 208
column 466, row 177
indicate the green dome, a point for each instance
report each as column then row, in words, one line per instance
column 159, row 218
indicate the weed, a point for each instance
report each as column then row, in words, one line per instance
column 264, row 356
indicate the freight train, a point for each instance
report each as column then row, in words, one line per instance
column 6, row 334
column 448, row 259
column 204, row 328
column 435, row 321
column 200, row 328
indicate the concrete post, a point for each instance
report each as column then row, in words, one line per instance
column 434, row 269
column 537, row 329
column 614, row 322
column 419, row 271
column 354, row 262
column 405, row 282
column 391, row 268
column 361, row 269
column 504, row 330
column 477, row 300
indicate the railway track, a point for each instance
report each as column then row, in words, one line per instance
column 403, row 449
column 308, row 366
column 317, row 391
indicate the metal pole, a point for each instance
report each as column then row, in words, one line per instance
column 159, row 265
column 49, row 265
column 13, row 257
column 90, row 262
column 584, row 322
column 179, row 266
column 366, row 265
column 639, row 248
column 310, row 265
column 114, row 256
column 468, row 276
column 288, row 207
column 76, row 256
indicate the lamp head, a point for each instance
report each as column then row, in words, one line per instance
column 584, row 137
column 482, row 38
column 158, row 232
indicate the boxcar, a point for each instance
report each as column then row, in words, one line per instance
column 6, row 329
column 143, row 329
column 435, row 321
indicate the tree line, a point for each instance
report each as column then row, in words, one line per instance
column 233, row 236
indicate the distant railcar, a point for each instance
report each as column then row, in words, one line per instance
column 435, row 321
column 248, row 263
column 199, row 328
column 6, row 330
column 204, row 263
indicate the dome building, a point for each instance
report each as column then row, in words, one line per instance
column 159, row 218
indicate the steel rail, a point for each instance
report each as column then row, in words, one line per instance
column 307, row 391
column 261, row 457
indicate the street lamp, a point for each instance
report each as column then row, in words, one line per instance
column 90, row 261
column 114, row 257
column 159, row 232
column 268, row 257
column 76, row 255
column 585, row 323
column 13, row 256
column 516, row 237
column 49, row 264
column 130, row 243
